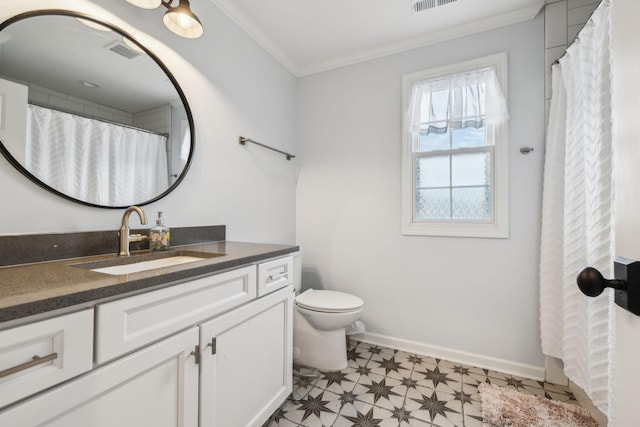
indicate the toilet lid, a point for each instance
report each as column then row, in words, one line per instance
column 328, row 301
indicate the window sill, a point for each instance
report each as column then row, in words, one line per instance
column 446, row 229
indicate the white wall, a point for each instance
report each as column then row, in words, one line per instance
column 471, row 295
column 626, row 107
column 234, row 88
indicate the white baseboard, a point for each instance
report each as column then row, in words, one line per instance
column 479, row 361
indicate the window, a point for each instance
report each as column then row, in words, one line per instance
column 455, row 150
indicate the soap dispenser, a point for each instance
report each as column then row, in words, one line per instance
column 159, row 235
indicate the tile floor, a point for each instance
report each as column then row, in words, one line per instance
column 387, row 387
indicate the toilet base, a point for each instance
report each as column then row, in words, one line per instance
column 324, row 350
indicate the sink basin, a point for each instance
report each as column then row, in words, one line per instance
column 145, row 262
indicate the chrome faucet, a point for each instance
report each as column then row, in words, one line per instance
column 125, row 237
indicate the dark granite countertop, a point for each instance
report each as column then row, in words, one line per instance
column 42, row 287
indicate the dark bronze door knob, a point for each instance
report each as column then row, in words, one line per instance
column 592, row 283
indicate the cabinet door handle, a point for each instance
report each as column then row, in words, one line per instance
column 278, row 276
column 36, row 360
column 196, row 354
column 212, row 344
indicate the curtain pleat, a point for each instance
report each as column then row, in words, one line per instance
column 577, row 214
column 95, row 161
column 457, row 101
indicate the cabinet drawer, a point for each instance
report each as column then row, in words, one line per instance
column 39, row 355
column 156, row 386
column 130, row 323
column 273, row 275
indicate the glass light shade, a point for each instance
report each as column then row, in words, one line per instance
column 146, row 4
column 182, row 21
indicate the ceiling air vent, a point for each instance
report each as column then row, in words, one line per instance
column 420, row 5
column 122, row 49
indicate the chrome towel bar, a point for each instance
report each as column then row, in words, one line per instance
column 242, row 141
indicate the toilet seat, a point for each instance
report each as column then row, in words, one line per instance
column 328, row 301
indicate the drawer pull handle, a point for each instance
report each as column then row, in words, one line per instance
column 37, row 360
column 278, row 276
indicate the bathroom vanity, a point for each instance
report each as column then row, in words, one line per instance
column 205, row 343
column 84, row 339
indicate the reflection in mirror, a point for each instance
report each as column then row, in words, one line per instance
column 87, row 113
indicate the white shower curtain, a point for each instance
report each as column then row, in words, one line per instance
column 95, row 161
column 577, row 214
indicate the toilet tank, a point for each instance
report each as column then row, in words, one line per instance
column 297, row 271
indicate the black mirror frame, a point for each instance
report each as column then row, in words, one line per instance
column 60, row 12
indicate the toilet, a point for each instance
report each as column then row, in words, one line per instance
column 319, row 321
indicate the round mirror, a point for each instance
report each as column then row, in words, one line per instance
column 88, row 113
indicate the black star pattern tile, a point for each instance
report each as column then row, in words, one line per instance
column 374, row 349
column 390, row 365
column 461, row 370
column 398, row 396
column 314, row 405
column 409, row 382
column 364, row 420
column 436, row 376
column 434, row 405
column 462, row 397
column 380, row 389
column 475, row 417
column 401, row 414
column 303, row 382
column 347, row 397
column 363, row 370
column 276, row 416
column 354, row 355
column 514, row 382
column 334, row 377
column 415, row 359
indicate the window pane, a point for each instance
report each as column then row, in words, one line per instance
column 472, row 204
column 468, row 137
column 435, row 141
column 432, row 172
column 433, row 204
column 471, row 169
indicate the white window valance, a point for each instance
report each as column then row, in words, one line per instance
column 456, row 101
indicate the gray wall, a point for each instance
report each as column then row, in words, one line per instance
column 471, row 295
column 234, row 88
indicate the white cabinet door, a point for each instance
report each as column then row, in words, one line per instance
column 156, row 386
column 249, row 375
column 130, row 323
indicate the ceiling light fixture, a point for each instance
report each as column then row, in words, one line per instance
column 146, row 4
column 179, row 19
column 90, row 85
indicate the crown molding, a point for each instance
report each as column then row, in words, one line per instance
column 435, row 37
column 250, row 27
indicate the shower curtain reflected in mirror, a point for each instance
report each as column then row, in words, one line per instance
column 100, row 162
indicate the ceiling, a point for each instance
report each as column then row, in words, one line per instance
column 58, row 52
column 312, row 36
